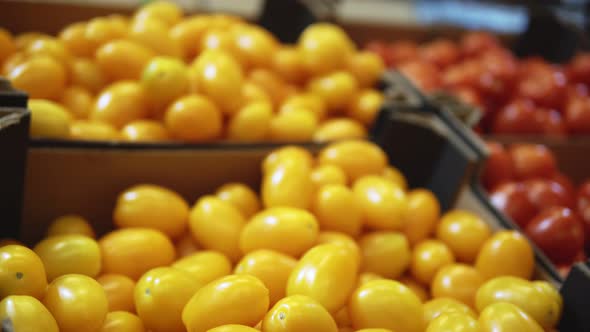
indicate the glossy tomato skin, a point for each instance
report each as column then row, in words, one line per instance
column 517, row 117
column 512, row 199
column 298, row 313
column 544, row 85
column 558, row 232
column 550, row 122
column 425, row 75
column 532, row 160
column 506, row 317
column 498, row 167
column 565, row 182
column 547, row 193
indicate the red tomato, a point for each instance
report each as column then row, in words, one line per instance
column 501, row 63
column 577, row 115
column 441, row 52
column 512, row 200
column 546, row 193
column 381, row 49
column 466, row 73
column 550, row 122
column 517, row 117
column 565, row 182
column 498, row 168
column 558, row 232
column 576, row 90
column 579, row 68
column 583, row 207
column 544, row 85
column 402, row 51
column 477, row 42
column 469, row 96
column 424, row 75
column 532, row 161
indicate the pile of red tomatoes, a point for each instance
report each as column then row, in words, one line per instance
column 517, row 96
column 525, row 184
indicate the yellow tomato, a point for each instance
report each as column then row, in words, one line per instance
column 288, row 63
column 160, row 296
column 298, row 313
column 386, row 304
column 101, row 30
column 251, row 123
column 288, row 184
column 122, row 321
column 367, row 67
column 217, row 225
column 151, row 248
column 119, row 291
column 194, row 118
column 395, row 175
column 75, row 40
column 205, row 266
column 550, row 292
column 65, row 254
column 271, row 83
column 296, row 126
column 291, row 231
column 77, row 302
column 87, row 74
column 53, row 48
column 153, row 34
column 324, row 48
column 218, row 39
column 365, row 106
column 93, row 131
column 506, row 253
column 455, row 321
column 464, row 232
column 48, row 119
column 123, row 59
column 185, row 245
column 356, row 157
column 21, row 272
column 78, row 101
column 167, row 12
column 328, row 175
column 235, row 299
column 422, row 215
column 337, row 209
column 152, row 206
column 188, row 33
column 428, row 257
column 342, row 318
column 457, row 281
column 70, row 224
column 219, row 76
column 383, row 203
column 271, row 267
column 341, row 239
column 233, row 328
column 253, row 93
column 443, row 306
column 240, row 196
column 290, row 154
column 307, row 101
column 144, row 131
column 327, row 273
column 506, row 317
column 25, row 313
column 339, row 129
column 23, row 40
column 40, row 76
column 12, row 61
column 7, row 45
column 416, row 287
column 365, row 277
column 119, row 104
column 385, row 253
column 254, row 46
column 534, row 301
column 337, row 89
column 374, row 330
column 164, row 79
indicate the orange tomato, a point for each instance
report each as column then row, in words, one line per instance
column 145, row 131
column 7, row 45
column 40, row 76
column 151, row 248
column 21, row 272
column 119, row 104
column 457, row 281
column 87, row 74
column 152, row 206
column 78, row 101
column 123, row 59
column 385, row 253
column 506, row 253
column 75, row 40
column 119, row 291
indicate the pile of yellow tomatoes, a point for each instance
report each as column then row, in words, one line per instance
column 159, row 75
column 334, row 242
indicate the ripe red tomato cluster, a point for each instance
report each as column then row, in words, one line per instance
column 528, row 96
column 525, row 184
